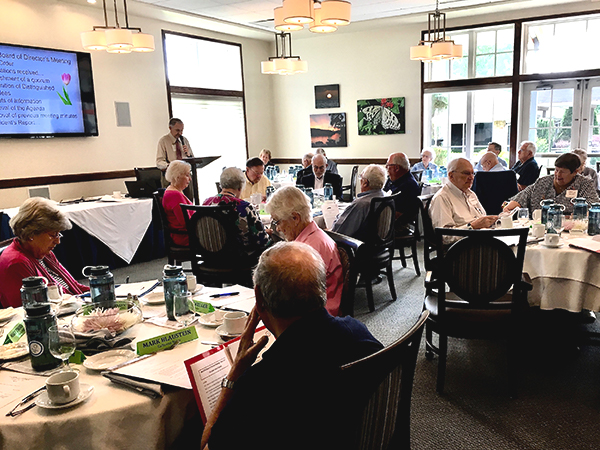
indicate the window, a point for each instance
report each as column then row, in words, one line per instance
column 206, row 92
column 487, row 52
column 562, row 45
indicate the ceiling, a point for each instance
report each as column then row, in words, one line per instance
column 259, row 13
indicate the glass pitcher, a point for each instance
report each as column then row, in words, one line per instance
column 580, row 208
column 594, row 219
column 545, row 207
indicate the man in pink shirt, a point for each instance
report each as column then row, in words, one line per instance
column 291, row 214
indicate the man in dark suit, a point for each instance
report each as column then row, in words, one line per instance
column 526, row 168
column 320, row 177
column 400, row 180
column 306, row 167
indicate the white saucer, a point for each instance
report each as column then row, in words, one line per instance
column 199, row 287
column 154, row 298
column 209, row 320
column 104, row 360
column 224, row 334
column 44, row 402
column 560, row 244
column 13, row 351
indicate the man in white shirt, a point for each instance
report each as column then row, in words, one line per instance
column 456, row 205
column 173, row 146
column 489, row 163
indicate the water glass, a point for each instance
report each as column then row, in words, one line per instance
column 62, row 343
column 523, row 216
column 184, row 308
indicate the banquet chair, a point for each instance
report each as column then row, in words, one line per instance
column 493, row 188
column 352, row 186
column 409, row 240
column 347, row 247
column 175, row 253
column 477, row 292
column 386, row 380
column 428, row 234
column 219, row 256
column 375, row 257
column 417, row 175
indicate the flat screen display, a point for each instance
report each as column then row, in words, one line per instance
column 46, row 93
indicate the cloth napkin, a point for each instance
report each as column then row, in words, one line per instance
column 99, row 341
column 150, row 389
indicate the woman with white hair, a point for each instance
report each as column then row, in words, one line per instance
column 584, row 170
column 291, row 214
column 179, row 176
column 427, row 157
column 252, row 234
column 37, row 228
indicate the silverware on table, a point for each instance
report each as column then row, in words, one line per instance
column 14, row 412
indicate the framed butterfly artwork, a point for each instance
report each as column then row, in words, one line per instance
column 381, row 116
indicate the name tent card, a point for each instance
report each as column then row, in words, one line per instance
column 158, row 343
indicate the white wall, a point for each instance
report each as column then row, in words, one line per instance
column 135, row 78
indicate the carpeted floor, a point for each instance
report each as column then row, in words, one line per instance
column 559, row 394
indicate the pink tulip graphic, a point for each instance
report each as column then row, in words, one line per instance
column 66, row 78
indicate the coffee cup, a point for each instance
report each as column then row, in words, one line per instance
column 191, row 283
column 54, row 292
column 537, row 215
column 538, row 230
column 234, row 322
column 256, row 198
column 117, row 194
column 219, row 314
column 63, row 387
column 506, row 222
column 551, row 239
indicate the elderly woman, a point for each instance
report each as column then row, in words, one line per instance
column 291, row 213
column 37, row 228
column 252, row 233
column 427, row 156
column 585, row 170
column 564, row 185
column 179, row 176
column 265, row 155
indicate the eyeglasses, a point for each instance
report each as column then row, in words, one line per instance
column 56, row 235
column 274, row 223
column 256, row 172
column 387, row 166
column 465, row 173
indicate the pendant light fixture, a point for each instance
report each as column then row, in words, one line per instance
column 321, row 16
column 436, row 47
column 284, row 63
column 117, row 39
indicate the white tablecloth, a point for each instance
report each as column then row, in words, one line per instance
column 563, row 278
column 114, row 417
column 120, row 225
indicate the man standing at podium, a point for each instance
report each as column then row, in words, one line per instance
column 173, row 146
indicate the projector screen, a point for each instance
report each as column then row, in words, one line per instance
column 46, row 93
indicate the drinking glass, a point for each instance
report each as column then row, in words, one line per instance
column 184, row 308
column 62, row 343
column 523, row 216
column 559, row 223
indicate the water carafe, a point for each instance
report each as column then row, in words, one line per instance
column 33, row 291
column 580, row 208
column 545, row 207
column 594, row 219
column 174, row 282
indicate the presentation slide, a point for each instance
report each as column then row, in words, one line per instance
column 39, row 92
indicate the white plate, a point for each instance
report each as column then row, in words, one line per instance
column 224, row 334
column 551, row 246
column 154, row 298
column 12, row 351
column 44, row 402
column 209, row 320
column 104, row 360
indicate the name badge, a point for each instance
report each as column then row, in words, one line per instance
column 571, row 193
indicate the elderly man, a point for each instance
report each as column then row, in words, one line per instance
column 256, row 182
column 427, row 156
column 331, row 165
column 291, row 214
column 496, row 148
column 526, row 168
column 320, row 177
column 456, row 205
column 489, row 163
column 173, row 146
column 353, row 221
column 401, row 181
column 297, row 388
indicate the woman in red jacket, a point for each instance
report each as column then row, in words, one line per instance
column 37, row 228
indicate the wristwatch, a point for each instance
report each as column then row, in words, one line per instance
column 227, row 384
column 469, row 226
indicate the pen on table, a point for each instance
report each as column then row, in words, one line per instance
column 225, row 294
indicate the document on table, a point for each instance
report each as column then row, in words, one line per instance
column 208, row 369
column 245, row 296
column 590, row 244
column 135, row 288
column 14, row 386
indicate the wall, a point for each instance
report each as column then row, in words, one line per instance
column 135, row 78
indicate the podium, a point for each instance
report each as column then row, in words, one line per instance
column 198, row 163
